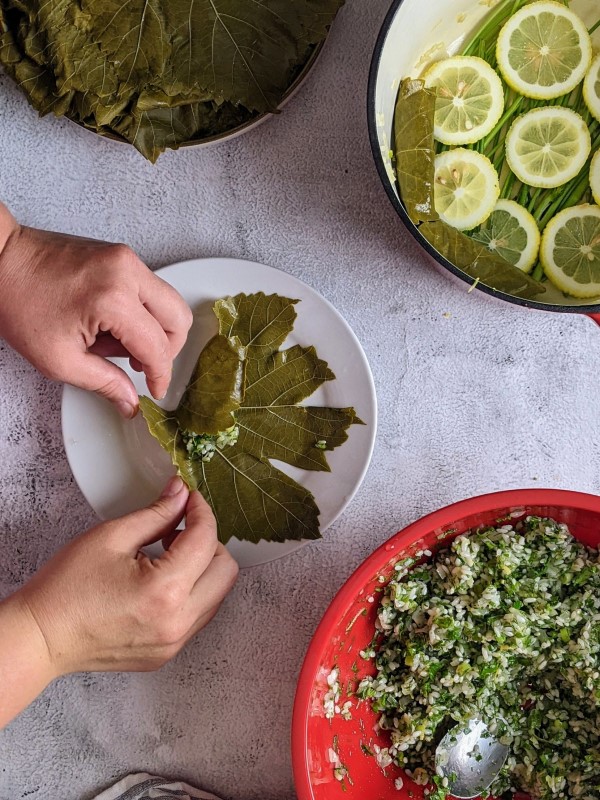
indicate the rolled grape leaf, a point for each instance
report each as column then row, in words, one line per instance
column 415, row 170
column 216, row 387
column 414, row 148
column 250, row 497
column 159, row 73
column 480, row 263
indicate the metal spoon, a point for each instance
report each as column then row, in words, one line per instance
column 471, row 758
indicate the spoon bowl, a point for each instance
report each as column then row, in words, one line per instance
column 470, row 757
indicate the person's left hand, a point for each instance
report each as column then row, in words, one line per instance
column 67, row 303
column 101, row 604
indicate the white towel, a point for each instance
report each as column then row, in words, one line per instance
column 143, row 786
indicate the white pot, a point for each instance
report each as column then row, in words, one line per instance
column 415, row 33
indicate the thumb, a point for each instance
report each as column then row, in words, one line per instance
column 149, row 525
column 106, row 379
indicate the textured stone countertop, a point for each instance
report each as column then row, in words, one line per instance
column 474, row 396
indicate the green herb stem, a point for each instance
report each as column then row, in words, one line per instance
column 490, row 26
column 594, row 28
column 508, row 185
column 523, row 195
column 506, row 117
column 538, row 272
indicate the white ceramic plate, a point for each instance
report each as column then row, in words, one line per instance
column 120, row 467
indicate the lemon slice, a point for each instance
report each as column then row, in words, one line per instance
column 544, row 50
column 570, row 251
column 547, row 147
column 466, row 188
column 470, row 99
column 595, row 177
column 512, row 233
column 591, row 88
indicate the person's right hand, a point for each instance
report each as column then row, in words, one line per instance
column 102, row 605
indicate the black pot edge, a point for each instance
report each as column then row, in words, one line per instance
column 401, row 211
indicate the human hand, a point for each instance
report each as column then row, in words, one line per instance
column 102, row 605
column 68, row 303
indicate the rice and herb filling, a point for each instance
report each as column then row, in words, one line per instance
column 504, row 623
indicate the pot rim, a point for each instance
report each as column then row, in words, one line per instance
column 399, row 207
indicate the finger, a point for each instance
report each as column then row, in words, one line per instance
column 108, row 347
column 194, row 548
column 145, row 340
column 215, row 583
column 209, row 592
column 106, row 379
column 197, row 626
column 202, row 622
column 151, row 524
column 168, row 307
column 168, row 540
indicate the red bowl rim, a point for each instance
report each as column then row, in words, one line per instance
column 437, row 519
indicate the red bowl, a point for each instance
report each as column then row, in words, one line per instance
column 348, row 627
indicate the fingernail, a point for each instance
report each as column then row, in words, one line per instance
column 126, row 409
column 173, row 487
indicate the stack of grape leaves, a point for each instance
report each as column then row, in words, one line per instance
column 244, row 379
column 158, row 73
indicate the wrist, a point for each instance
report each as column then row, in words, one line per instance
column 26, row 667
column 17, row 619
column 9, row 232
column 8, row 228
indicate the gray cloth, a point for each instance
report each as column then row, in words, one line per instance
column 143, row 786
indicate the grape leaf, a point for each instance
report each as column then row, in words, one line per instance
column 215, row 389
column 415, row 170
column 159, row 73
column 480, row 263
column 414, row 149
column 250, row 497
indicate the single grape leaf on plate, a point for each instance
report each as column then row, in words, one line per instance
column 251, row 498
column 415, row 170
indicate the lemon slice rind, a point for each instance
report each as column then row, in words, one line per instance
column 520, row 152
column 591, row 88
column 595, row 178
column 466, row 188
column 458, row 122
column 566, row 283
column 512, row 213
column 506, row 48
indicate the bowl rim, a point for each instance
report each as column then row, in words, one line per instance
column 448, row 515
column 401, row 211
